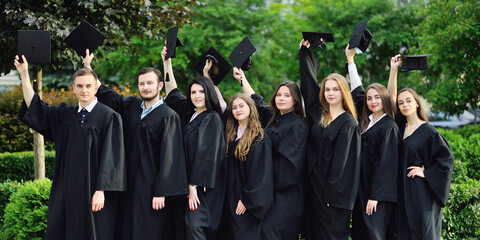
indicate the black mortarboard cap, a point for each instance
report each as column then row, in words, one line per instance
column 415, row 62
column 84, row 37
column 220, row 66
column 315, row 38
column 241, row 55
column 361, row 36
column 34, row 45
column 172, row 42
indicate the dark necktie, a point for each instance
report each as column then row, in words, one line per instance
column 83, row 115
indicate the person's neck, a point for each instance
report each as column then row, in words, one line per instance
column 85, row 104
column 336, row 110
column 152, row 102
column 243, row 124
column 200, row 110
column 413, row 120
column 285, row 112
column 377, row 115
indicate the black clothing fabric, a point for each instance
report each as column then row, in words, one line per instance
column 205, row 150
column 288, row 134
column 155, row 161
column 333, row 159
column 89, row 156
column 421, row 200
column 378, row 177
column 250, row 181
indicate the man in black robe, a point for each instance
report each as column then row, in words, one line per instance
column 154, row 154
column 89, row 164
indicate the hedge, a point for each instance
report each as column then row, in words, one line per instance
column 26, row 214
column 19, row 166
column 6, row 189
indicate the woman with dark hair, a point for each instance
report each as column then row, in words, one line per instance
column 286, row 128
column 333, row 151
column 426, row 166
column 249, row 192
column 205, row 149
column 374, row 210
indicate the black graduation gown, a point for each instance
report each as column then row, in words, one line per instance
column 333, row 161
column 421, row 200
column 155, row 161
column 378, row 177
column 89, row 156
column 252, row 182
column 288, row 134
column 205, row 149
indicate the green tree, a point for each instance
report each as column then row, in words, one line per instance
column 451, row 30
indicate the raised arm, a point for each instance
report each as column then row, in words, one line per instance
column 221, row 101
column 358, row 93
column 240, row 76
column 168, row 73
column 309, row 67
column 27, row 88
column 395, row 63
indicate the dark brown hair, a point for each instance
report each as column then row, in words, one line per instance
column 297, row 100
column 85, row 72
column 146, row 70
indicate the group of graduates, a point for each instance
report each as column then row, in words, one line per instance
column 192, row 167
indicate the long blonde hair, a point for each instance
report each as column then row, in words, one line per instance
column 253, row 129
column 347, row 101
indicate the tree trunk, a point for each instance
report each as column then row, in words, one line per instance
column 39, row 147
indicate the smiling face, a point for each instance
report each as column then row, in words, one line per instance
column 374, row 101
column 85, row 87
column 407, row 104
column 197, row 95
column 284, row 100
column 240, row 110
column 149, row 86
column 333, row 95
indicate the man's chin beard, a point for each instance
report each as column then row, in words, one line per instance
column 148, row 99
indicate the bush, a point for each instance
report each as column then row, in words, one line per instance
column 473, row 156
column 461, row 218
column 467, row 131
column 6, row 189
column 19, row 166
column 26, row 214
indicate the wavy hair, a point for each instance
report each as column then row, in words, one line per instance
column 254, row 128
column 347, row 101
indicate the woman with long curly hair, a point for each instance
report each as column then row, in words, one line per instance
column 249, row 192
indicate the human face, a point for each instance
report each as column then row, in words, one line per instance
column 149, row 86
column 407, row 104
column 85, row 88
column 284, row 100
column 240, row 111
column 333, row 95
column 374, row 101
column 197, row 95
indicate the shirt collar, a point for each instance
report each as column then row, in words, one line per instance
column 90, row 106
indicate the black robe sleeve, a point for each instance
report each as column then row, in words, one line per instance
column 384, row 180
column 344, row 171
column 309, row 67
column 257, row 196
column 358, row 95
column 171, row 179
column 41, row 117
column 112, row 171
column 439, row 167
column 178, row 102
column 209, row 152
column 292, row 150
column 264, row 110
column 115, row 101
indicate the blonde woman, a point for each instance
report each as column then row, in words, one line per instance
column 333, row 150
